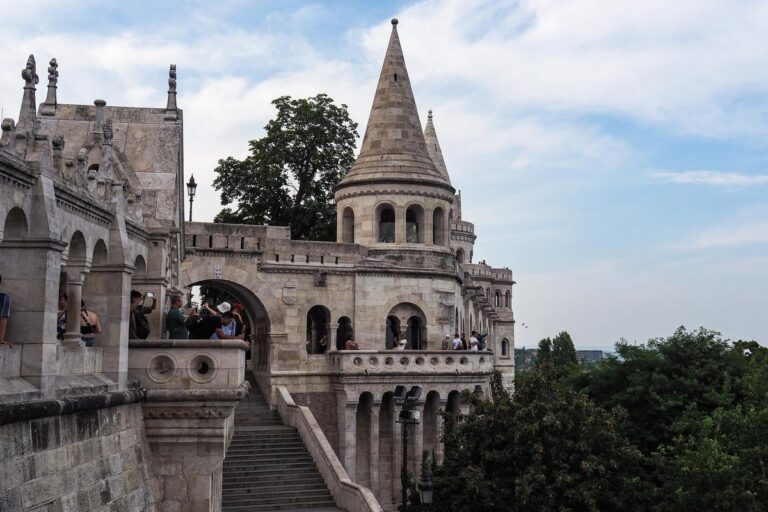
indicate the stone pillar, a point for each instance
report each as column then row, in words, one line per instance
column 399, row 225
column 107, row 292
column 75, row 279
column 375, row 457
column 439, row 445
column 397, row 457
column 31, row 270
column 350, row 439
column 418, row 442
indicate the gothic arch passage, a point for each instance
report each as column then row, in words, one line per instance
column 256, row 320
column 348, row 226
column 431, row 433
column 363, row 435
column 387, row 449
column 412, row 320
column 453, row 406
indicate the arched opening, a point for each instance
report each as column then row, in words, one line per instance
column 348, row 226
column 497, row 299
column 16, row 227
column 438, row 226
column 387, row 449
column 100, row 255
column 416, row 334
column 414, row 224
column 505, row 347
column 414, row 323
column 363, row 440
column 453, row 407
column 393, row 331
column 253, row 324
column 507, row 299
column 385, row 216
column 460, row 255
column 431, row 439
column 77, row 249
column 343, row 332
column 99, row 307
column 318, row 321
column 140, row 266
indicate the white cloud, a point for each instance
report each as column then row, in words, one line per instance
column 715, row 178
column 752, row 233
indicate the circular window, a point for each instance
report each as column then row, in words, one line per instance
column 404, row 361
column 389, row 361
column 162, row 368
column 419, row 361
column 357, row 361
column 449, row 361
column 464, row 361
column 434, row 361
column 202, row 368
column 374, row 361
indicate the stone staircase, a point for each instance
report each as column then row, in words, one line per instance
column 267, row 466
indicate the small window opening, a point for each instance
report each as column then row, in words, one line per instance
column 210, row 241
column 291, row 258
column 337, row 260
column 277, row 258
column 307, row 259
column 322, row 259
column 242, row 242
column 194, row 240
column 395, row 77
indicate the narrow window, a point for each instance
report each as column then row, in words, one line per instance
column 194, row 240
column 210, row 241
column 277, row 258
column 395, row 77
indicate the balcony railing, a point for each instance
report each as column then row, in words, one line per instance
column 411, row 361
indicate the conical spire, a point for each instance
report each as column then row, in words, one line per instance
column 433, row 147
column 394, row 148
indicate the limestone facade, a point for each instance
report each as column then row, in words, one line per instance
column 92, row 203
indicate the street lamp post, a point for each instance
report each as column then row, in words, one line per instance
column 408, row 416
column 191, row 189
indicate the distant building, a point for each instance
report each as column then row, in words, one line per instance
column 589, row 356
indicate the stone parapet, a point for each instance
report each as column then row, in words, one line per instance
column 411, row 362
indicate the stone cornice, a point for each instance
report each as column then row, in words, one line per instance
column 68, row 200
column 369, row 188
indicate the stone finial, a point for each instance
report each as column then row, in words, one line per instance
column 28, row 115
column 108, row 132
column 394, row 22
column 8, row 141
column 171, row 105
column 53, row 79
column 429, row 114
column 99, row 123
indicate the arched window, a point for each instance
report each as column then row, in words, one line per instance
column 488, row 294
column 386, row 218
column 318, row 318
column 505, row 347
column 343, row 332
column 15, row 225
column 416, row 334
column 393, row 331
column 507, row 299
column 348, row 226
column 414, row 224
column 438, row 226
column 497, row 299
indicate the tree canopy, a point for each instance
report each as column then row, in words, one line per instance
column 677, row 424
column 289, row 176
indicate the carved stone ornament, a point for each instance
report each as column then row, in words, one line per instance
column 321, row 278
column 290, row 293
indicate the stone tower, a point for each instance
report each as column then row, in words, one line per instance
column 395, row 199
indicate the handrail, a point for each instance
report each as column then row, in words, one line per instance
column 347, row 494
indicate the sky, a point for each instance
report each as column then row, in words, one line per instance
column 613, row 154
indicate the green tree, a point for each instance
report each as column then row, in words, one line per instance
column 545, row 449
column 563, row 351
column 289, row 176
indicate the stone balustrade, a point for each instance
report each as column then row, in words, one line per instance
column 413, row 362
column 187, row 364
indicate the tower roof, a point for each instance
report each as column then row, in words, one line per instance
column 394, row 148
column 433, row 147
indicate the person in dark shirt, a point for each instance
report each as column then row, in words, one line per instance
column 175, row 322
column 5, row 314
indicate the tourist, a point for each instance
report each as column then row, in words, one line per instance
column 5, row 314
column 61, row 318
column 350, row 344
column 457, row 344
column 89, row 325
column 464, row 345
column 474, row 343
column 227, row 328
column 201, row 327
column 401, row 344
column 481, row 339
column 175, row 323
column 237, row 311
column 322, row 345
column 138, row 325
column 446, row 344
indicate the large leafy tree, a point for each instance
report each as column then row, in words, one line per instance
column 545, row 449
column 288, row 178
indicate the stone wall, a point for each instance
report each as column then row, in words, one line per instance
column 323, row 407
column 88, row 460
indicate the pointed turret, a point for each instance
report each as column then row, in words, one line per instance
column 433, row 147
column 394, row 148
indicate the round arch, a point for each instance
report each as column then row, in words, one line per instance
column 412, row 320
column 15, row 226
column 384, row 221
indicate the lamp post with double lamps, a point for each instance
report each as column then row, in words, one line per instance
column 408, row 416
column 191, row 189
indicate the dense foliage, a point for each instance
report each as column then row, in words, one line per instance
column 676, row 424
column 288, row 178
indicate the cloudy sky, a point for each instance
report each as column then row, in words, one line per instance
column 614, row 154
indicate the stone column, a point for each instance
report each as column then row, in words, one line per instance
column 399, row 225
column 350, row 439
column 75, row 279
column 397, row 456
column 107, row 292
column 439, row 446
column 418, row 442
column 375, row 457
